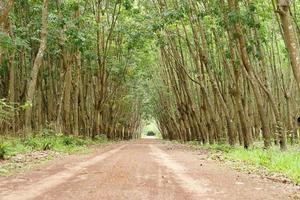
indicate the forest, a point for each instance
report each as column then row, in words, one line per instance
column 224, row 71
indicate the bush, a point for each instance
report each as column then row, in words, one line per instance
column 3, row 151
column 67, row 141
column 14, row 146
column 47, row 145
column 101, row 138
column 222, row 147
column 75, row 141
column 33, row 142
column 48, row 132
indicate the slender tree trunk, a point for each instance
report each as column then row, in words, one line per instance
column 36, row 66
column 290, row 38
column 67, row 100
column 5, row 11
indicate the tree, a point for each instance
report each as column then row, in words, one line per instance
column 290, row 37
column 31, row 88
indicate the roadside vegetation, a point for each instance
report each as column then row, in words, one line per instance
column 21, row 154
column 287, row 163
column 11, row 146
column 273, row 160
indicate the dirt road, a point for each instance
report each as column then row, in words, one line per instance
column 139, row 170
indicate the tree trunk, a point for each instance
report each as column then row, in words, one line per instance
column 290, row 38
column 36, row 66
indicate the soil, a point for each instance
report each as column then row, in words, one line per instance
column 141, row 170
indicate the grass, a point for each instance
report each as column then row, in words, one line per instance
column 46, row 140
column 10, row 146
column 273, row 160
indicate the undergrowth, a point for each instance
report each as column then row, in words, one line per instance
column 10, row 146
column 273, row 160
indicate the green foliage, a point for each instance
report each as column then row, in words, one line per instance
column 171, row 16
column 234, row 17
column 101, row 138
column 274, row 160
column 5, row 41
column 221, row 147
column 128, row 4
column 73, row 141
column 3, row 151
column 14, row 146
column 9, row 109
column 26, row 105
column 6, row 111
column 32, row 142
column 47, row 140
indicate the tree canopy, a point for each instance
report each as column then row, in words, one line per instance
column 210, row 71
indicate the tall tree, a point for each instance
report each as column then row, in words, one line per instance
column 31, row 88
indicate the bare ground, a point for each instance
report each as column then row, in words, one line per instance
column 140, row 170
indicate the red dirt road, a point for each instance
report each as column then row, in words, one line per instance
column 140, row 170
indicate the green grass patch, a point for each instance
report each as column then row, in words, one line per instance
column 273, row 160
column 57, row 142
column 35, row 145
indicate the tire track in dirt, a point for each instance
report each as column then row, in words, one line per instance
column 197, row 188
column 32, row 191
column 141, row 170
column 131, row 174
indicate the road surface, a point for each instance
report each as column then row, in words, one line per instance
column 140, row 170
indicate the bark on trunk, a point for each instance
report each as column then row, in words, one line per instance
column 36, row 66
column 290, row 38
